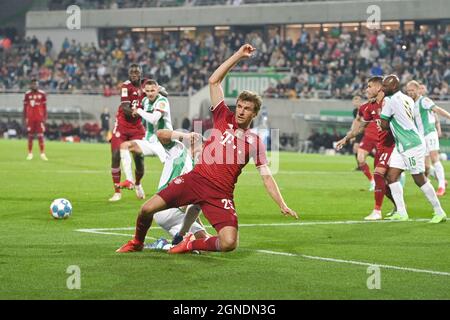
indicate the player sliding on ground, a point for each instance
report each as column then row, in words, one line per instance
column 211, row 183
column 370, row 113
column 409, row 153
column 180, row 154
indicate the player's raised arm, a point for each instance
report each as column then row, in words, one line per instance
column 274, row 191
column 215, row 81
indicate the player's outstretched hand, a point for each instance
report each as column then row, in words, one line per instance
column 341, row 143
column 288, row 212
column 246, row 51
column 195, row 137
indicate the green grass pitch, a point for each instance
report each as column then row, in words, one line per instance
column 314, row 261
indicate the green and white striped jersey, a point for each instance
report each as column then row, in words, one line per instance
column 398, row 109
column 425, row 119
column 162, row 105
column 178, row 162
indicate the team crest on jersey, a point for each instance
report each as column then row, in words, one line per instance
column 117, row 134
column 124, row 92
column 178, row 180
column 250, row 139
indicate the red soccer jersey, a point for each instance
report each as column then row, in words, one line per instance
column 134, row 95
column 228, row 150
column 371, row 114
column 371, row 131
column 35, row 105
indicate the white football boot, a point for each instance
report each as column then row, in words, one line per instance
column 375, row 215
column 30, row 156
column 116, row 197
column 139, row 191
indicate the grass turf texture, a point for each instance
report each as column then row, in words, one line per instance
column 36, row 249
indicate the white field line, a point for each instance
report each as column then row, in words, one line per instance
column 326, row 259
column 311, row 223
column 96, row 231
column 360, row 263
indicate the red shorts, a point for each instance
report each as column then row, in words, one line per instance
column 192, row 188
column 35, row 127
column 120, row 135
column 382, row 156
column 368, row 144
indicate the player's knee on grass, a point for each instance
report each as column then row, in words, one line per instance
column 228, row 239
column 228, row 244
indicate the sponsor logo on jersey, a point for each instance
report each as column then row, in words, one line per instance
column 178, row 180
column 124, row 92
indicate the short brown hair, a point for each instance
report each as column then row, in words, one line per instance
column 151, row 82
column 251, row 97
column 376, row 79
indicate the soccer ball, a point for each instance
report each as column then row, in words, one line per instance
column 61, row 208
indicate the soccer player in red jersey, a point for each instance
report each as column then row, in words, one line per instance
column 211, row 183
column 385, row 143
column 127, row 127
column 34, row 117
column 367, row 143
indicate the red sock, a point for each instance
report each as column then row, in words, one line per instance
column 115, row 172
column 380, row 190
column 143, row 223
column 205, row 244
column 41, row 142
column 366, row 170
column 138, row 175
column 30, row 143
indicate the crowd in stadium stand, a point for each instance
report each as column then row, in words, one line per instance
column 334, row 65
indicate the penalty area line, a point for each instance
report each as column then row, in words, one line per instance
column 360, row 263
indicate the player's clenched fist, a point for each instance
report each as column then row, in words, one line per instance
column 246, row 51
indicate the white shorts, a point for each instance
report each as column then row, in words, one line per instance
column 152, row 149
column 432, row 142
column 171, row 220
column 412, row 160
